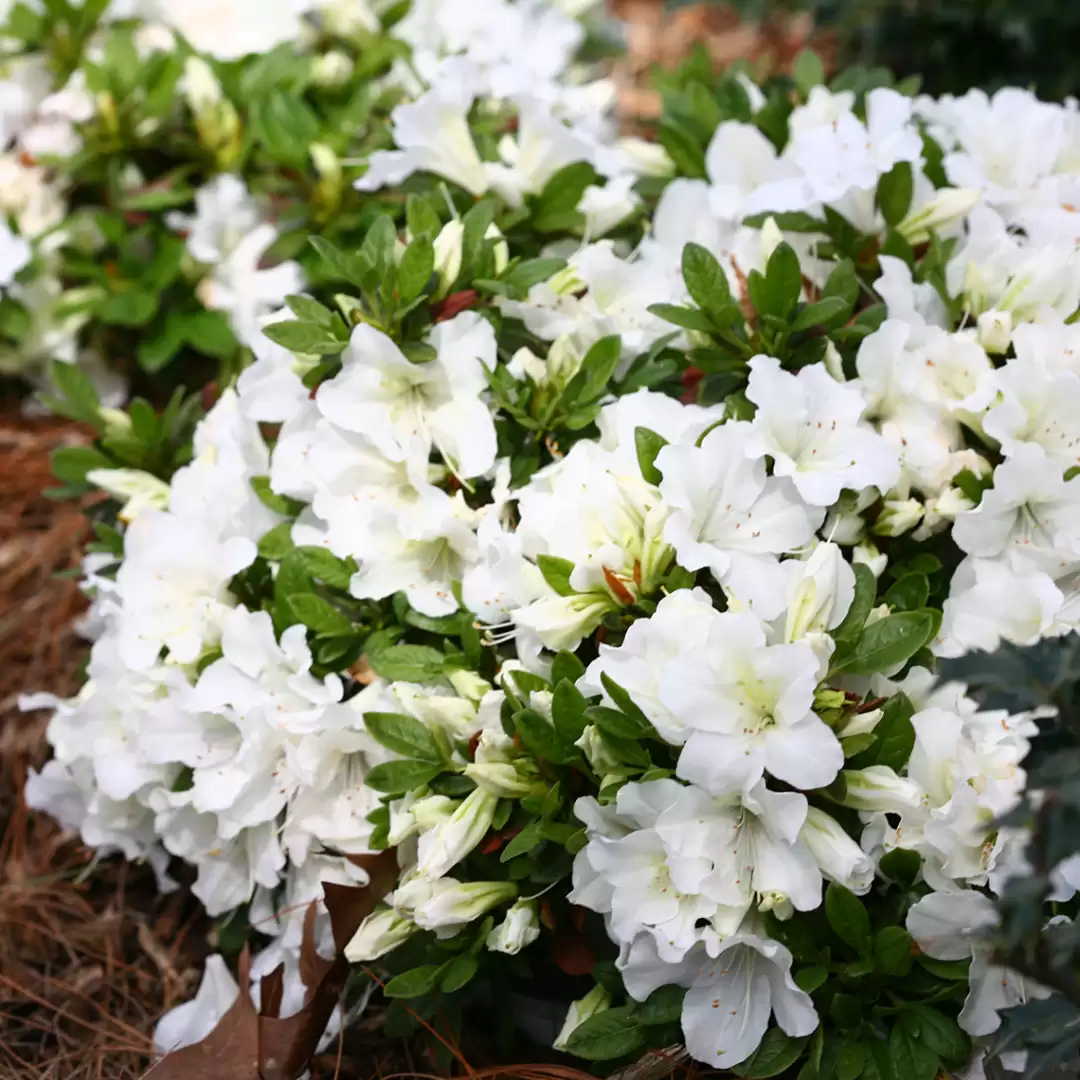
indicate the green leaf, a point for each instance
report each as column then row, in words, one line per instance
column 415, row 269
column 557, row 202
column 623, row 700
column 888, row 643
column 683, row 148
column 71, row 463
column 777, row 1053
column 566, row 666
column 648, row 444
column 811, row 978
column 403, row 734
column 598, row 366
column 861, row 605
column 808, row 71
column 613, row 722
column 458, row 972
column 318, row 614
column 208, row 332
column 848, row 918
column 909, row 593
column 843, row 282
column 707, row 283
column 327, row 567
column 529, row 837
column 307, row 338
column 539, row 735
column 421, row 218
column 827, row 310
column 399, row 777
column 77, row 392
column 277, row 543
column 662, row 1006
column 610, row 1034
column 686, row 317
column 895, row 734
column 531, row 272
column 783, row 283
column 568, row 711
column 309, row 310
column 415, row 983
column 953, row 970
column 894, row 192
column 851, row 1060
column 408, row 663
column 892, row 950
column 557, row 573
column 129, row 308
column 900, row 865
column 344, row 267
column 280, row 504
column 942, row 1035
column 911, row 1060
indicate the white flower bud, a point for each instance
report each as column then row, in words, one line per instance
column 879, row 788
column 501, row 779
column 468, row 684
column 448, row 248
column 501, row 249
column 137, row 489
column 326, row 162
column 200, row 86
column 447, row 904
column 860, row 723
column 867, row 553
column 117, row 422
column 822, row 594
column 898, row 517
column 526, row 364
column 455, row 836
column 597, row 752
column 562, row 621
column 650, row 158
column 840, row 858
column 771, row 238
column 834, row 362
column 381, row 932
column 995, row 331
column 415, row 812
column 947, row 207
column 519, row 928
column 331, row 69
column 597, row 1000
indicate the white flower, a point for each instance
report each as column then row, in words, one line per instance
column 225, row 213
column 227, row 29
column 391, row 400
column 729, row 516
column 681, row 622
column 173, row 584
column 953, row 926
column 520, row 927
column 432, row 135
column 749, row 708
column 192, row 1021
column 878, row 787
column 820, row 592
column 137, row 489
column 15, row 253
column 381, row 932
column 810, row 424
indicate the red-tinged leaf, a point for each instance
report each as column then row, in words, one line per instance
column 572, row 953
column 455, row 304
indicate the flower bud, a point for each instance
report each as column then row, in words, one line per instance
column 117, row 422
column 455, row 836
column 519, row 928
column 415, row 812
column 947, row 207
column 380, row 933
column 331, row 70
column 879, row 788
column 598, row 754
column 597, row 1000
column 137, row 489
column 447, row 904
column 562, row 621
column 526, row 364
column 778, row 903
column 200, row 86
column 500, row 249
column 840, row 858
column 898, row 517
column 469, row 685
column 995, row 331
column 501, row 779
column 834, row 362
column 448, row 248
column 860, row 723
column 867, row 553
column 771, row 238
column 820, row 597
column 649, row 158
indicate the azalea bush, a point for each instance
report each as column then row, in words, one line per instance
column 582, row 545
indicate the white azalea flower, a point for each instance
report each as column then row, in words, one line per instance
column 810, row 424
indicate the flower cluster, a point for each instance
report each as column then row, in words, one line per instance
column 588, row 533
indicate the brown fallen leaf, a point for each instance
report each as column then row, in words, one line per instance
column 250, row 1045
